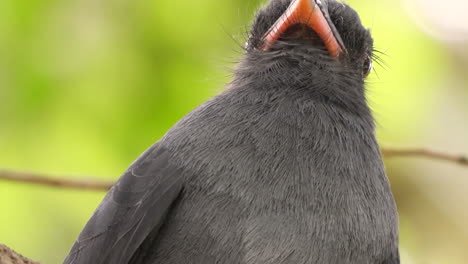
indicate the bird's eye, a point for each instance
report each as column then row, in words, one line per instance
column 367, row 67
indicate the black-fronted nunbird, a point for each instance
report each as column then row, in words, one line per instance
column 281, row 167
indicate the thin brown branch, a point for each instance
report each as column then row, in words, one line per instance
column 8, row 256
column 101, row 185
column 63, row 182
column 425, row 153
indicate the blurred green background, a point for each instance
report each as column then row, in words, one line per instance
column 86, row 86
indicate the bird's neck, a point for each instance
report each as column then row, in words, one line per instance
column 340, row 92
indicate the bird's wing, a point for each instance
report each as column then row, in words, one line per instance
column 135, row 206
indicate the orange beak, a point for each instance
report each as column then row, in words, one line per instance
column 313, row 13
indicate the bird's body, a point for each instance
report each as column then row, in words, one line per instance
column 281, row 167
column 263, row 180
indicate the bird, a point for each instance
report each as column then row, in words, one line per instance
column 282, row 166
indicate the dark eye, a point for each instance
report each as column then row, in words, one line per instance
column 367, row 67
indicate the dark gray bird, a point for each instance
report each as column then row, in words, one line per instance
column 281, row 167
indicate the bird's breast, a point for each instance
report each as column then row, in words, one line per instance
column 290, row 182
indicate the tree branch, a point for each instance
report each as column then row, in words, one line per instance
column 8, row 256
column 101, row 185
column 425, row 153
column 63, row 182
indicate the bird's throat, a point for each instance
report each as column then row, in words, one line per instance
column 302, row 34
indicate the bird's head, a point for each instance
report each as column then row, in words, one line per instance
column 316, row 44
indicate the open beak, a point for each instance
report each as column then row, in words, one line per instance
column 313, row 13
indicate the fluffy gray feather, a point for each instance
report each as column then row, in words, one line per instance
column 281, row 167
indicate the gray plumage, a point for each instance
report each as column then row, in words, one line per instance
column 281, row 167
